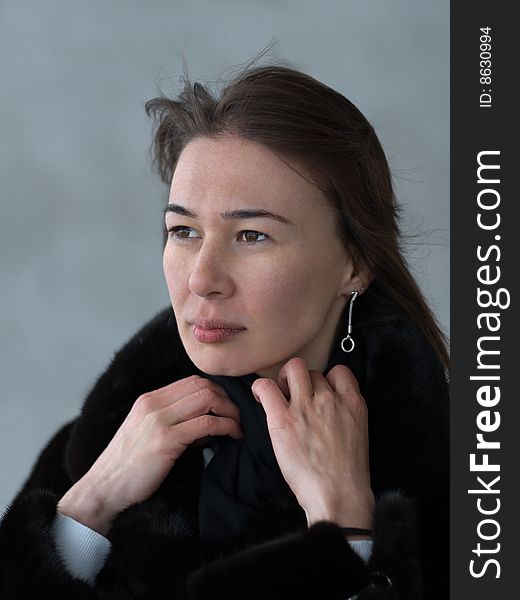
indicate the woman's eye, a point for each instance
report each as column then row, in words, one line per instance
column 251, row 237
column 179, row 232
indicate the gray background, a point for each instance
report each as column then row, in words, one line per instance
column 80, row 227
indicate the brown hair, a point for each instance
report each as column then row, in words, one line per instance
column 296, row 116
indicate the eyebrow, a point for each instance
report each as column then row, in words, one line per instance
column 230, row 215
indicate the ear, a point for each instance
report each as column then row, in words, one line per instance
column 356, row 278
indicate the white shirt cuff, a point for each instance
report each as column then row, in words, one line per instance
column 82, row 550
column 362, row 548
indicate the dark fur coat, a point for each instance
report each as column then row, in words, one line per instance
column 154, row 544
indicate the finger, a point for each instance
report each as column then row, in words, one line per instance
column 183, row 386
column 176, row 391
column 199, row 403
column 205, row 425
column 295, row 377
column 188, row 385
column 344, row 382
column 319, row 382
column 271, row 398
column 281, row 382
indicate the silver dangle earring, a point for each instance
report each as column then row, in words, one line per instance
column 349, row 340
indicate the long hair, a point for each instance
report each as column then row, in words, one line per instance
column 298, row 117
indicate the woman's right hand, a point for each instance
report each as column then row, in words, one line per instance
column 156, row 431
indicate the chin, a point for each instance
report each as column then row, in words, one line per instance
column 219, row 365
column 216, row 359
column 215, row 369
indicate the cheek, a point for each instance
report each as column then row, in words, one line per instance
column 286, row 293
column 174, row 274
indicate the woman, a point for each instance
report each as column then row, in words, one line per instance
column 281, row 430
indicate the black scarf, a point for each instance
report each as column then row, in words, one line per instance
column 243, row 489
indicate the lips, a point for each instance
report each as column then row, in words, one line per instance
column 209, row 331
column 215, row 324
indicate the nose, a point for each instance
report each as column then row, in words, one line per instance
column 210, row 274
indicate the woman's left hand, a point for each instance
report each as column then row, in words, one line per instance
column 319, row 430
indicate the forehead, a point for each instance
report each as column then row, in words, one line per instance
column 228, row 171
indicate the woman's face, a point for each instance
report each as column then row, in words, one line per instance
column 252, row 246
